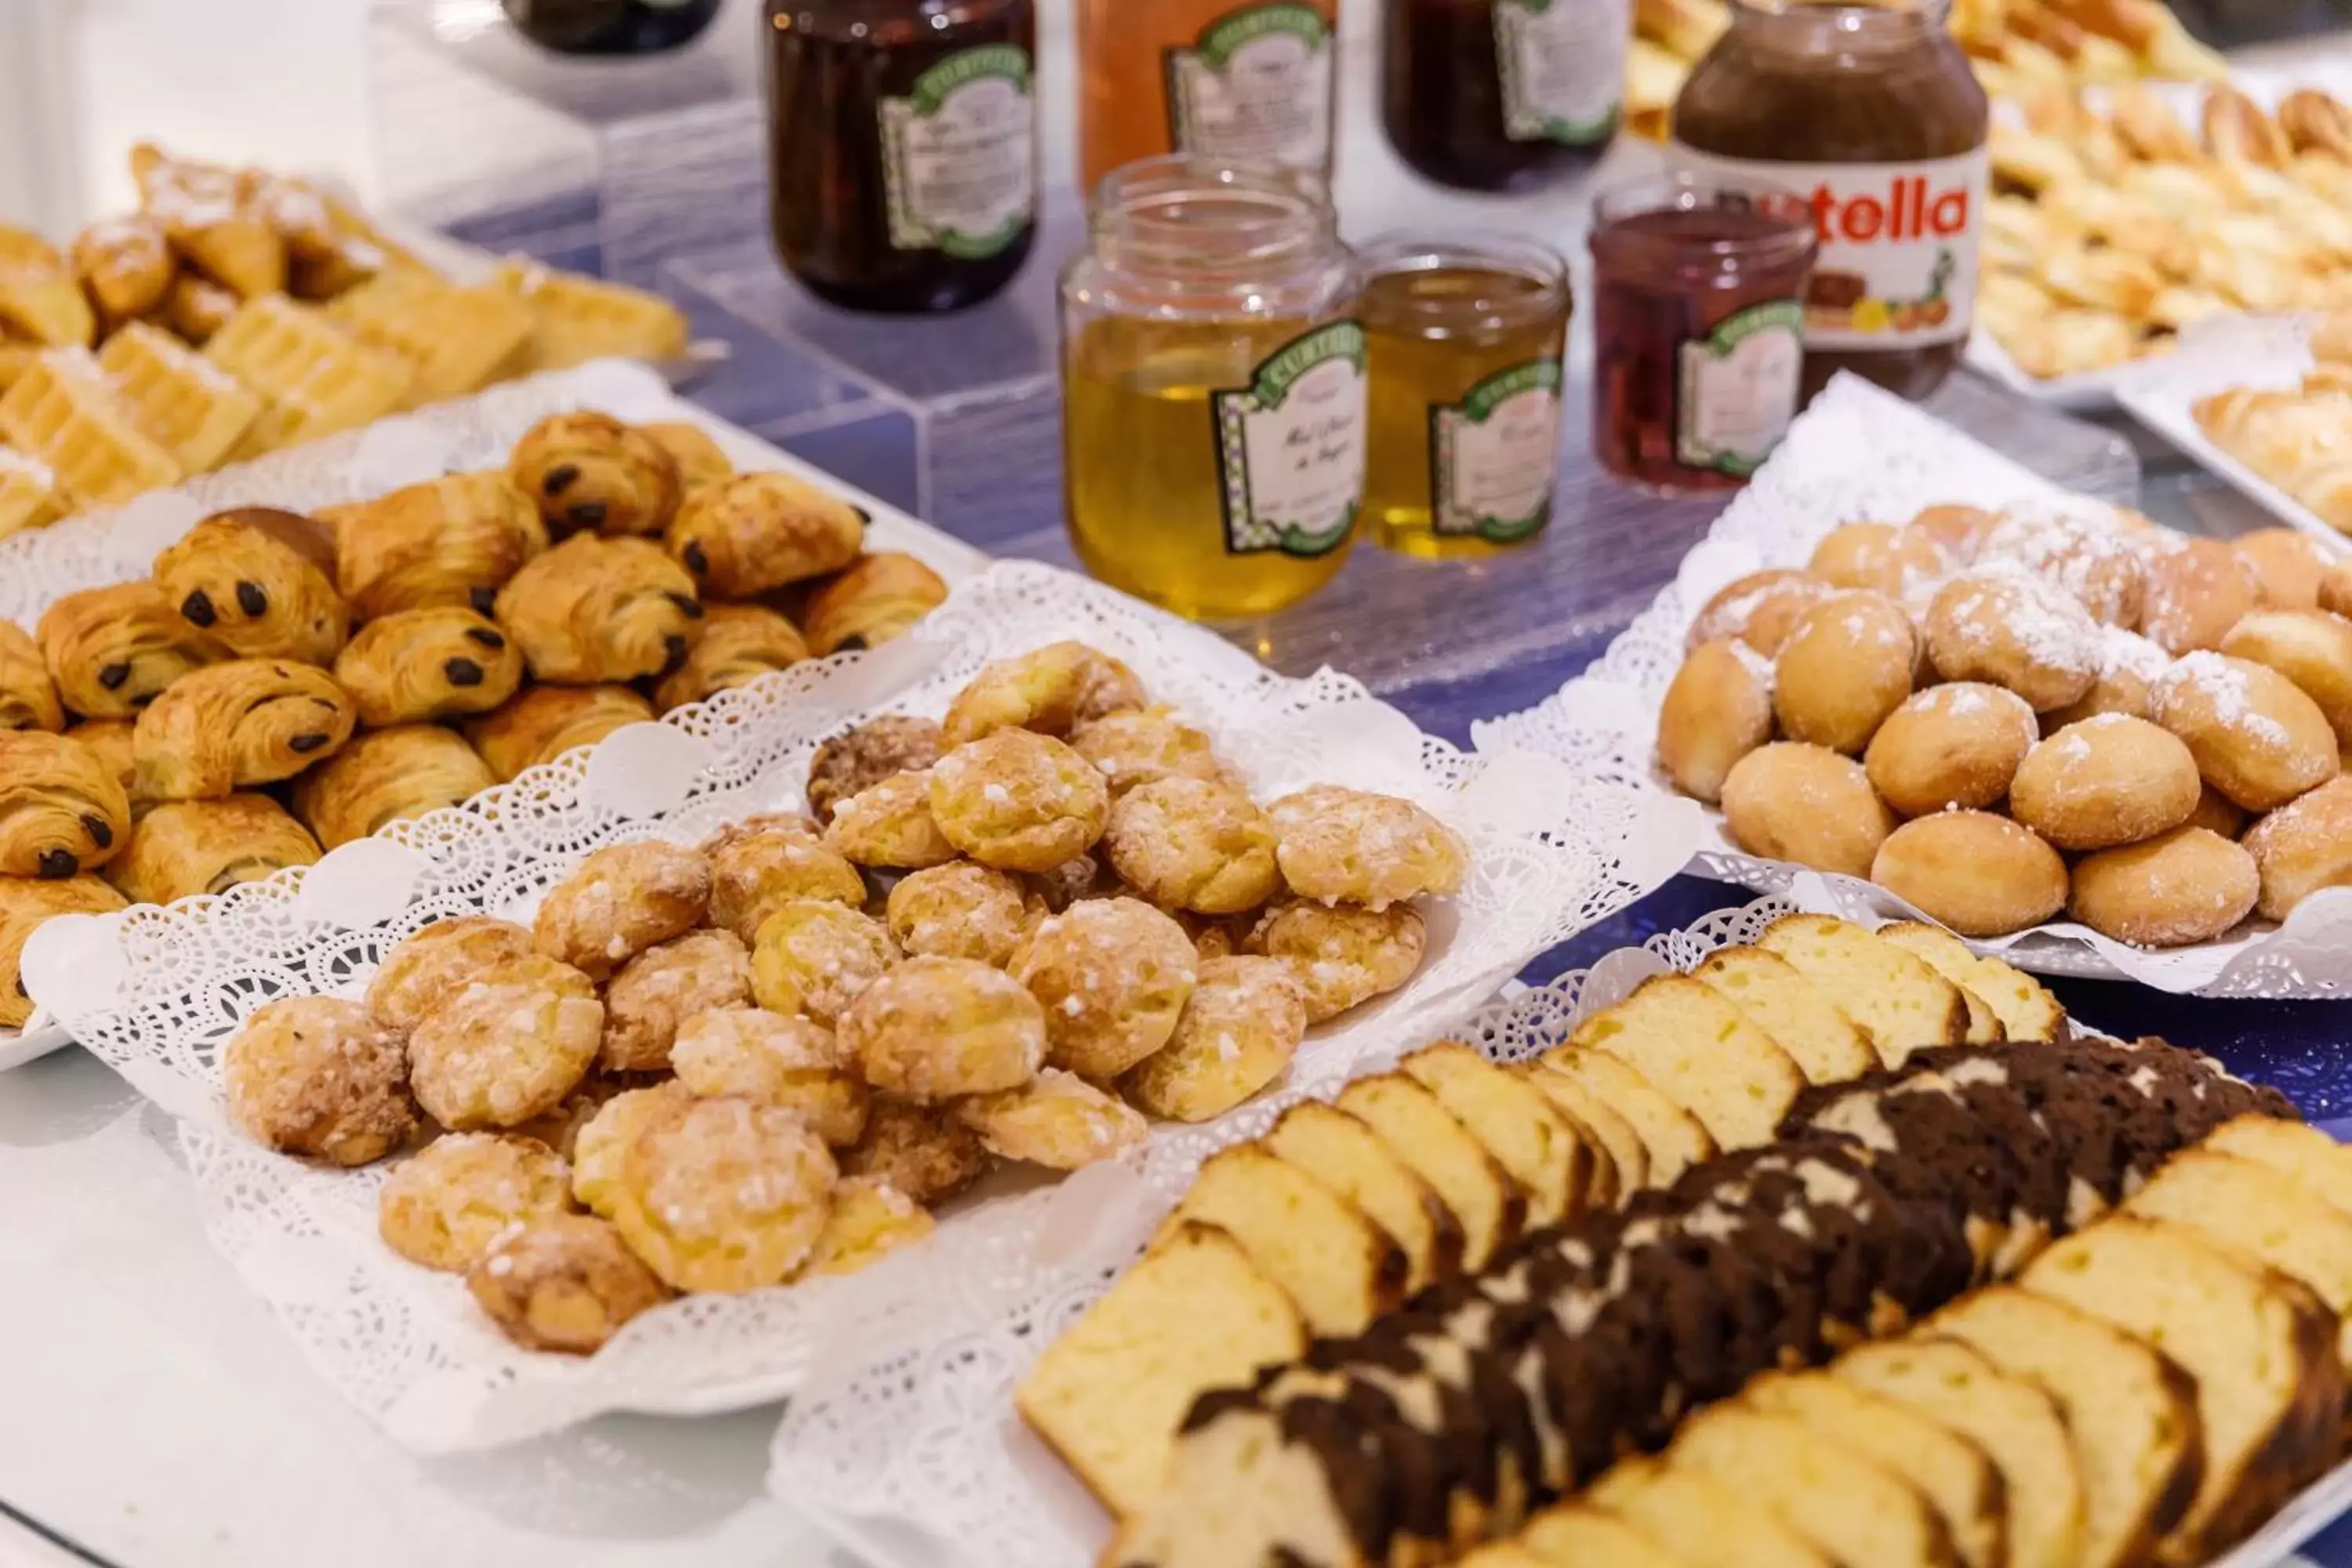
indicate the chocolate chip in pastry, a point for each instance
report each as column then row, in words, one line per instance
column 28, row 698
column 428, row 664
column 25, row 907
column 760, row 531
column 387, row 776
column 877, row 599
column 257, row 579
column 740, row 643
column 62, row 810
column 593, row 610
column 698, row 458
column 542, row 723
column 112, row 651
column 451, row 541
column 589, row 472
column 247, row 721
column 183, row 848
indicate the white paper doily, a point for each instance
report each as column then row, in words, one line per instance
column 156, row 992
column 1604, row 723
column 115, row 544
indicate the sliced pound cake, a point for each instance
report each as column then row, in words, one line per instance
column 1550, row 1159
column 1107, row 1396
column 2011, row 1418
column 1829, row 1047
column 2261, row 1347
column 1901, row 1002
column 1327, row 1255
column 1354, row 1161
column 1832, row 1492
column 1673, row 1136
column 1628, row 1157
column 1703, row 1054
column 2026, row 1008
column 1703, row 1522
column 1578, row 1535
column 1487, row 1203
column 2321, row 1164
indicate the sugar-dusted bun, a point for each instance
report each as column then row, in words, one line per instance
column 2196, row 593
column 1954, row 747
column 2106, row 781
column 1979, row 874
column 2311, row 647
column 2128, row 665
column 1879, row 557
column 2304, row 847
column 1846, row 666
column 2255, row 736
column 2014, row 631
column 2287, row 566
column 1789, row 801
column 2217, row 813
column 2081, row 546
column 1758, row 609
column 1958, row 531
column 2188, row 885
column 1719, row 709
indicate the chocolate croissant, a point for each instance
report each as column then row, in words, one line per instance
column 759, row 531
column 62, row 810
column 388, row 776
column 247, row 721
column 249, row 579
column 428, row 664
column 452, row 541
column 546, row 721
column 593, row 610
column 589, row 472
column 875, row 601
column 700, row 460
column 113, row 650
column 25, row 908
column 112, row 742
column 183, row 848
column 28, row 698
column 740, row 643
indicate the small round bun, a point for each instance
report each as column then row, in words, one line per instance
column 1187, row 844
column 2128, row 666
column 2311, row 647
column 2336, row 589
column 1881, row 558
column 1758, row 609
column 444, row 1208
column 1846, row 666
column 2196, row 593
column 1239, row 1032
column 1342, row 955
column 2217, row 813
column 1719, row 708
column 815, row 956
column 1979, row 874
column 939, row 1028
column 1019, row 801
column 2103, row 782
column 2255, row 736
column 2303, row 847
column 435, row 962
column 2080, row 547
column 563, row 1282
column 1059, row 1121
column 890, row 826
column 2014, row 631
column 724, row 1195
column 1951, row 747
column 765, row 1057
column 1958, row 531
column 1349, row 846
column 959, row 910
column 510, row 1045
column 1113, row 975
column 2186, row 886
column 621, row 901
column 316, row 1076
column 1789, row 801
column 1052, row 690
column 2287, row 564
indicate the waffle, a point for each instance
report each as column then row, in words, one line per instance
column 458, row 340
column 193, row 405
column 317, row 378
column 580, row 319
column 28, row 494
column 64, row 414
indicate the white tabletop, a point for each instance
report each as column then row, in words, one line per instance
column 158, row 1427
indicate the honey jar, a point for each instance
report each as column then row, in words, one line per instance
column 1213, row 379
column 1465, row 338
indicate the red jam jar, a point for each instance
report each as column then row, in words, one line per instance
column 1698, row 312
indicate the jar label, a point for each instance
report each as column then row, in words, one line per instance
column 1898, row 262
column 1256, row 87
column 1495, row 456
column 1290, row 445
column 1735, row 389
column 1562, row 65
column 958, row 155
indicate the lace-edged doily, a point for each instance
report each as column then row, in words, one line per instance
column 1604, row 723
column 157, row 992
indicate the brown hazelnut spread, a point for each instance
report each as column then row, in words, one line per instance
column 1871, row 114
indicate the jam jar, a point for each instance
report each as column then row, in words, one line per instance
column 1871, row 114
column 1498, row 95
column 903, row 152
column 611, row 27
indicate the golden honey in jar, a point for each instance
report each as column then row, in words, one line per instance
column 1465, row 339
column 1214, row 382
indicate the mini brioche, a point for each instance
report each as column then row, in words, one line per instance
column 2106, row 781
column 1807, row 804
column 2311, row 649
column 1846, row 666
column 1979, row 874
column 1956, row 745
column 1761, row 609
column 2196, row 593
column 2303, row 847
column 2255, row 736
column 1878, row 557
column 1717, row 710
column 2287, row 566
column 2013, row 630
column 2186, row 886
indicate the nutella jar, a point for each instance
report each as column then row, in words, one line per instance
column 1871, row 114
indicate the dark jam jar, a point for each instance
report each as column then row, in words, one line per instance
column 1871, row 113
column 611, row 27
column 1496, row 95
column 1698, row 291
column 904, row 148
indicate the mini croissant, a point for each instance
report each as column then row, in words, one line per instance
column 593, row 610
column 247, row 578
column 185, row 847
column 387, row 776
column 452, row 541
column 62, row 810
column 759, row 531
column 113, row 650
column 248, row 721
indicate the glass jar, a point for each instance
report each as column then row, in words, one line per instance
column 1872, row 114
column 1213, row 388
column 1698, row 313
column 903, row 150
column 1240, row 82
column 1464, row 336
column 1497, row 95
column 611, row 27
